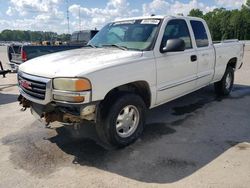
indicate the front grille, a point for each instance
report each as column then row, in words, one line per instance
column 34, row 88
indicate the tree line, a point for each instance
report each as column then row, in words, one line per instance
column 32, row 36
column 227, row 24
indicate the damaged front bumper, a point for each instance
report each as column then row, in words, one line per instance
column 64, row 113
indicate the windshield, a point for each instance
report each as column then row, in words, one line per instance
column 131, row 35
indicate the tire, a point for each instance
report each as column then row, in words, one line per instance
column 120, row 122
column 225, row 86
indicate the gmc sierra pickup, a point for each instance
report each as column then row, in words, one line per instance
column 130, row 65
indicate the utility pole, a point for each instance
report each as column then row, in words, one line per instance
column 68, row 15
column 79, row 17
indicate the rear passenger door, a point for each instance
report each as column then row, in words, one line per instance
column 205, row 53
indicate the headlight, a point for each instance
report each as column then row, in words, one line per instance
column 73, row 90
column 71, row 84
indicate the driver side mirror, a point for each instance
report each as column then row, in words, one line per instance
column 174, row 45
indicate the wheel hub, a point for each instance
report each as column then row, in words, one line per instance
column 127, row 121
column 228, row 81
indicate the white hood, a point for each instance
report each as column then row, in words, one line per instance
column 77, row 62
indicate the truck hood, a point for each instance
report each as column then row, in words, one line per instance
column 78, row 62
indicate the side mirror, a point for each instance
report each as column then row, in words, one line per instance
column 174, row 45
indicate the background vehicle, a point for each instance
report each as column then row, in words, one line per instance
column 134, row 64
column 19, row 54
column 82, row 37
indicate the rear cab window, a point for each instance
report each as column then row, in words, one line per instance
column 84, row 36
column 200, row 33
column 74, row 37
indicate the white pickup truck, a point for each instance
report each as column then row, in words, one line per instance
column 131, row 65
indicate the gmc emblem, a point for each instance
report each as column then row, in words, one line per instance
column 25, row 84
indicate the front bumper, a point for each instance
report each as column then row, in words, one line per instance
column 60, row 112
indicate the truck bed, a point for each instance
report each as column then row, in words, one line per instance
column 225, row 49
column 29, row 52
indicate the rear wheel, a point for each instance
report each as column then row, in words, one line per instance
column 225, row 86
column 121, row 122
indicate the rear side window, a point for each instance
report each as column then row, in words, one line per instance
column 74, row 37
column 177, row 29
column 200, row 34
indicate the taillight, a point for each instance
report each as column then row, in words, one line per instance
column 24, row 56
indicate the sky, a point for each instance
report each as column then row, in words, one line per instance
column 51, row 15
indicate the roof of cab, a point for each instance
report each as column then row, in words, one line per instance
column 141, row 18
column 157, row 17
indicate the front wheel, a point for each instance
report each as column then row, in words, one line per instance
column 122, row 121
column 225, row 86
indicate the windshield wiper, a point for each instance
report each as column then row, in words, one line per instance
column 91, row 45
column 117, row 46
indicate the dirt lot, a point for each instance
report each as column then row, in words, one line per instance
column 196, row 141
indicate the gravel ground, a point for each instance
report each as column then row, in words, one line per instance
column 196, row 141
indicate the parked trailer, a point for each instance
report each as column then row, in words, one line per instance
column 2, row 71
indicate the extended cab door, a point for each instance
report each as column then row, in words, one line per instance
column 205, row 52
column 176, row 71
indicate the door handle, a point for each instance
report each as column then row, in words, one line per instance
column 194, row 58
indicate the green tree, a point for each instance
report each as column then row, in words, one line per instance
column 196, row 13
column 32, row 36
column 248, row 3
column 245, row 11
column 227, row 24
column 236, row 23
